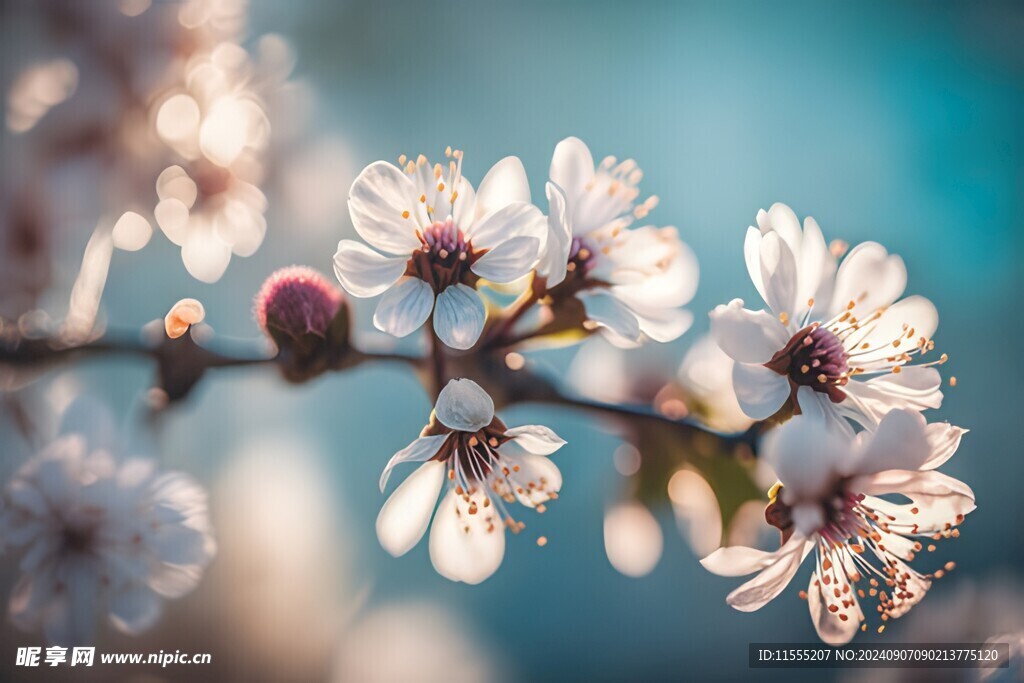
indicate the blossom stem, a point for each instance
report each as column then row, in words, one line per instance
column 498, row 337
column 436, row 359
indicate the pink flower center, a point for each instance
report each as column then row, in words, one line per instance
column 445, row 257
column 815, row 358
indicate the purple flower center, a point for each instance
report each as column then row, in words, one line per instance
column 445, row 257
column 815, row 358
column 581, row 257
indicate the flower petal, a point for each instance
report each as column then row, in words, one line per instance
column 459, row 316
column 572, row 167
column 870, row 277
column 406, row 514
column 464, row 406
column 363, row 272
column 536, row 439
column 555, row 256
column 423, row 448
column 512, row 220
column 914, row 387
column 907, row 320
column 466, row 547
column 504, row 184
column 831, row 628
column 377, row 201
column 740, row 560
column 766, row 586
column 899, row 443
column 779, row 274
column 536, row 478
column 804, row 453
column 760, row 391
column 752, row 257
column 943, row 440
column 747, row 336
column 939, row 499
column 608, row 312
column 509, row 261
column 135, row 609
column 404, row 308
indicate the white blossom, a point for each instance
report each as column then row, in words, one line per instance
column 483, row 467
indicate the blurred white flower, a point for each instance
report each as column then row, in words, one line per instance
column 632, row 539
column 696, row 509
column 837, row 331
column 705, row 376
column 487, row 466
column 100, row 537
column 829, row 501
column 632, row 282
column 415, row 642
column 433, row 238
column 36, row 90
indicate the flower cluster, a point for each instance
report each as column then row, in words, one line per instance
column 429, row 241
column 840, row 350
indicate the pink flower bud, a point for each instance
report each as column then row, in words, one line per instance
column 297, row 301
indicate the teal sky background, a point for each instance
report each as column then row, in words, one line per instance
column 895, row 122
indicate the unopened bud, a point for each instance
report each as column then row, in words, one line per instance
column 183, row 315
column 306, row 317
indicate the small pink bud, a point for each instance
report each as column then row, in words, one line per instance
column 306, row 317
column 297, row 301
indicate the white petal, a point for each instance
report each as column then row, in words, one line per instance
column 608, row 312
column 747, row 336
column 804, row 453
column 766, row 586
column 512, row 220
column 377, row 201
column 556, row 249
column 135, row 609
column 459, row 316
column 906, row 320
column 423, row 448
column 536, row 439
column 466, row 547
column 817, row 269
column 899, row 443
column 572, row 167
column 939, row 499
column 404, row 308
column 870, row 277
column 783, row 221
column 830, row 627
column 504, row 184
column 405, row 516
column 663, row 324
column 914, row 387
column 752, row 257
column 760, row 391
column 464, row 406
column 779, row 274
column 740, row 560
column 363, row 272
column 509, row 261
column 943, row 440
column 537, row 470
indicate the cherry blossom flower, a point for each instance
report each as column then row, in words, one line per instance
column 834, row 498
column 632, row 282
column 100, row 537
column 432, row 238
column 488, row 467
column 844, row 332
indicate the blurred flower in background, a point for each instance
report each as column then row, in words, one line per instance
column 99, row 536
